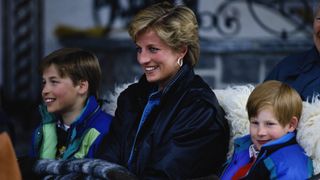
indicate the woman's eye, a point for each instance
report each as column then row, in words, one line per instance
column 152, row 49
column 138, row 49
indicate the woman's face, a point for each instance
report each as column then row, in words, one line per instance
column 157, row 59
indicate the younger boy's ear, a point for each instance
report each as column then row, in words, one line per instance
column 293, row 124
column 83, row 87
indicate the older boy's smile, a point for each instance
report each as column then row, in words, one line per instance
column 48, row 100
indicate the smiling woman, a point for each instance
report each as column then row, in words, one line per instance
column 157, row 59
column 169, row 124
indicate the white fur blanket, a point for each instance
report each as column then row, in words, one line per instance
column 308, row 132
column 112, row 97
column 233, row 100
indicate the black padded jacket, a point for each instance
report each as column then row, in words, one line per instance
column 185, row 136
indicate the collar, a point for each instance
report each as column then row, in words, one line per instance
column 91, row 106
column 284, row 139
column 253, row 152
column 180, row 74
column 245, row 142
column 63, row 126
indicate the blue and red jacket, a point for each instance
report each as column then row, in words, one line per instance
column 282, row 158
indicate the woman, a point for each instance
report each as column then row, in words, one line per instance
column 169, row 124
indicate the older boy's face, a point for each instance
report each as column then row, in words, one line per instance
column 265, row 128
column 59, row 93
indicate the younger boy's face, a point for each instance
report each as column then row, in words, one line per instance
column 59, row 93
column 265, row 127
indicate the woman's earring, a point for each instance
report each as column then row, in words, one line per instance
column 180, row 62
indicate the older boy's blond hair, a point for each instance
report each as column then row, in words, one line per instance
column 284, row 101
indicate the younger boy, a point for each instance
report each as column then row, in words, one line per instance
column 271, row 150
column 72, row 120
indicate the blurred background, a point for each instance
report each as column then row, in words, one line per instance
column 241, row 41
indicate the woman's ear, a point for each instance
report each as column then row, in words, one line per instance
column 293, row 124
column 83, row 87
column 183, row 51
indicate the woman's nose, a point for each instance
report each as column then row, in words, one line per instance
column 143, row 58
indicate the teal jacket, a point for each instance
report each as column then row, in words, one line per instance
column 85, row 133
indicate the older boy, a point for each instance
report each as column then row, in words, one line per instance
column 72, row 120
